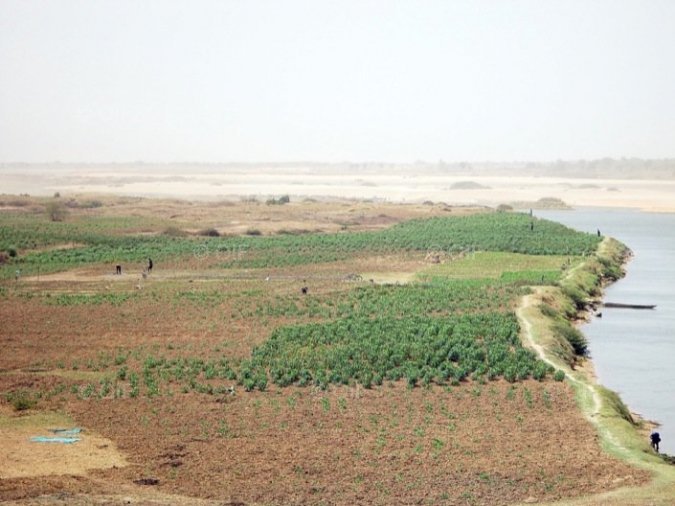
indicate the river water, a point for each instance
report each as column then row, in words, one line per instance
column 634, row 350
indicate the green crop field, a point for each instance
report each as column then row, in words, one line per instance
column 130, row 242
column 417, row 349
column 496, row 264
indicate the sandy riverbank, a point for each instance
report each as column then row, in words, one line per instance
column 303, row 182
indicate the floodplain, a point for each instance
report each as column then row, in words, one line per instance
column 283, row 352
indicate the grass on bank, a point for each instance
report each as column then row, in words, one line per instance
column 620, row 434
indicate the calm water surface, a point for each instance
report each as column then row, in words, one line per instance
column 634, row 350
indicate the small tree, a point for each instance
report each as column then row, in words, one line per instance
column 56, row 210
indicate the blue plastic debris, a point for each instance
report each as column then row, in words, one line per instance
column 54, row 439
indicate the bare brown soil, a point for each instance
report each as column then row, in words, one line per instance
column 232, row 217
column 487, row 444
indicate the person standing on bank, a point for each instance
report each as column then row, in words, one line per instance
column 656, row 439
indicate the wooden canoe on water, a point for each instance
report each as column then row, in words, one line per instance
column 629, row 306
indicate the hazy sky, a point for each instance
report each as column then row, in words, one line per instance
column 249, row 80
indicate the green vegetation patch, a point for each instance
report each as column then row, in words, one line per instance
column 81, row 299
column 513, row 233
column 27, row 231
column 21, row 399
column 418, row 349
column 107, row 240
column 435, row 297
column 532, row 277
column 495, row 264
column 509, row 232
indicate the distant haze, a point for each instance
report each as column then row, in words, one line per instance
column 391, row 81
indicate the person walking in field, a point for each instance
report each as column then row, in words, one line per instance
column 149, row 265
column 656, row 439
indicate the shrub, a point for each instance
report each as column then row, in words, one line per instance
column 610, row 270
column 209, row 232
column 572, row 336
column 559, row 375
column 284, row 199
column 56, row 210
column 577, row 295
column 21, row 400
column 540, row 371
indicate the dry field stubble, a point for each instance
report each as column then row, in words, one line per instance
column 475, row 444
column 237, row 217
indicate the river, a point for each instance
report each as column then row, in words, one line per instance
column 634, row 350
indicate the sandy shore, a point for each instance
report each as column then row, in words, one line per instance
column 649, row 195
